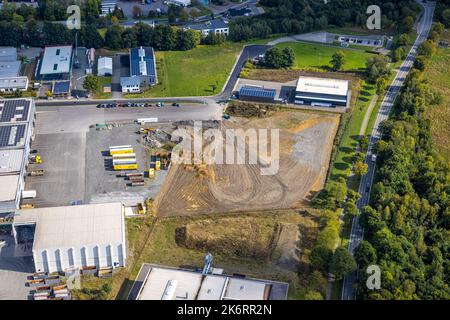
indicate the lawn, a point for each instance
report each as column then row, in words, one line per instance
column 198, row 72
column 437, row 75
column 347, row 147
column 102, row 82
column 316, row 56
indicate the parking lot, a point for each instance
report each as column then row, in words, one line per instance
column 72, row 152
column 103, row 184
column 63, row 157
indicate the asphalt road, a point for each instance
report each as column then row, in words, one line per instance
column 249, row 52
column 357, row 232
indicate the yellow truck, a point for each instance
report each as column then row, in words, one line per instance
column 151, row 173
column 158, row 165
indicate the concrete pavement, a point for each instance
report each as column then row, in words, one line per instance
column 357, row 231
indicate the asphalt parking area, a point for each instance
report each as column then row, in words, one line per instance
column 102, row 182
column 63, row 156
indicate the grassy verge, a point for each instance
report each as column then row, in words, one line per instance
column 437, row 74
column 347, row 146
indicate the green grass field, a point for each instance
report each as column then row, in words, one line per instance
column 315, row 56
column 198, row 72
column 437, row 75
column 100, row 94
column 347, row 147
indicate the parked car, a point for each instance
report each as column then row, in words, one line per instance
column 175, row 104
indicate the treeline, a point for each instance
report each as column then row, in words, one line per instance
column 162, row 37
column 300, row 16
column 407, row 224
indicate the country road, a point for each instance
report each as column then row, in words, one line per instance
column 357, row 231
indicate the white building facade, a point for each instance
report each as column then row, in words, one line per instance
column 73, row 237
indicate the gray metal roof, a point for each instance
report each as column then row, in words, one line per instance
column 11, row 161
column 209, row 25
column 8, row 54
column 130, row 81
column 9, row 69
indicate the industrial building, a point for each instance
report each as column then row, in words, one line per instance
column 17, row 119
column 107, row 7
column 73, row 237
column 217, row 26
column 142, row 67
column 56, row 63
column 368, row 40
column 182, row 3
column 105, row 66
column 10, row 79
column 322, row 92
column 257, row 93
column 156, row 282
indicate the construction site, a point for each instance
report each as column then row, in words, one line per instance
column 305, row 144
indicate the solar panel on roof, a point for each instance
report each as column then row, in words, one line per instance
column 257, row 92
column 14, row 110
column 12, row 136
column 61, row 87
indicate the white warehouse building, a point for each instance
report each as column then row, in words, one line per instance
column 73, row 237
column 105, row 66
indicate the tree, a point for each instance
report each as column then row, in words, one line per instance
column 337, row 60
column 420, row 63
column 288, row 57
column 365, row 254
column 408, row 24
column 427, row 48
column 446, row 17
column 273, row 58
column 376, row 67
column 342, row 263
column 320, row 258
column 313, row 295
column 91, row 83
column 381, row 84
column 360, row 168
column 113, row 37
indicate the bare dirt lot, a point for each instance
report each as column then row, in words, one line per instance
column 305, row 144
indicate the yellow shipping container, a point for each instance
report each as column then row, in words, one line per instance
column 158, row 165
column 121, row 151
column 126, row 167
column 151, row 173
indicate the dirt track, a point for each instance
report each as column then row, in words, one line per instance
column 306, row 140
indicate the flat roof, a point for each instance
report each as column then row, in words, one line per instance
column 105, row 62
column 56, row 60
column 188, row 285
column 70, row 226
column 142, row 62
column 15, row 110
column 13, row 136
column 13, row 82
column 245, row 289
column 8, row 54
column 61, row 87
column 10, row 160
column 8, row 187
column 9, row 68
column 322, row 86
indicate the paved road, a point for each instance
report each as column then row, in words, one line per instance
column 249, row 52
column 357, row 232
